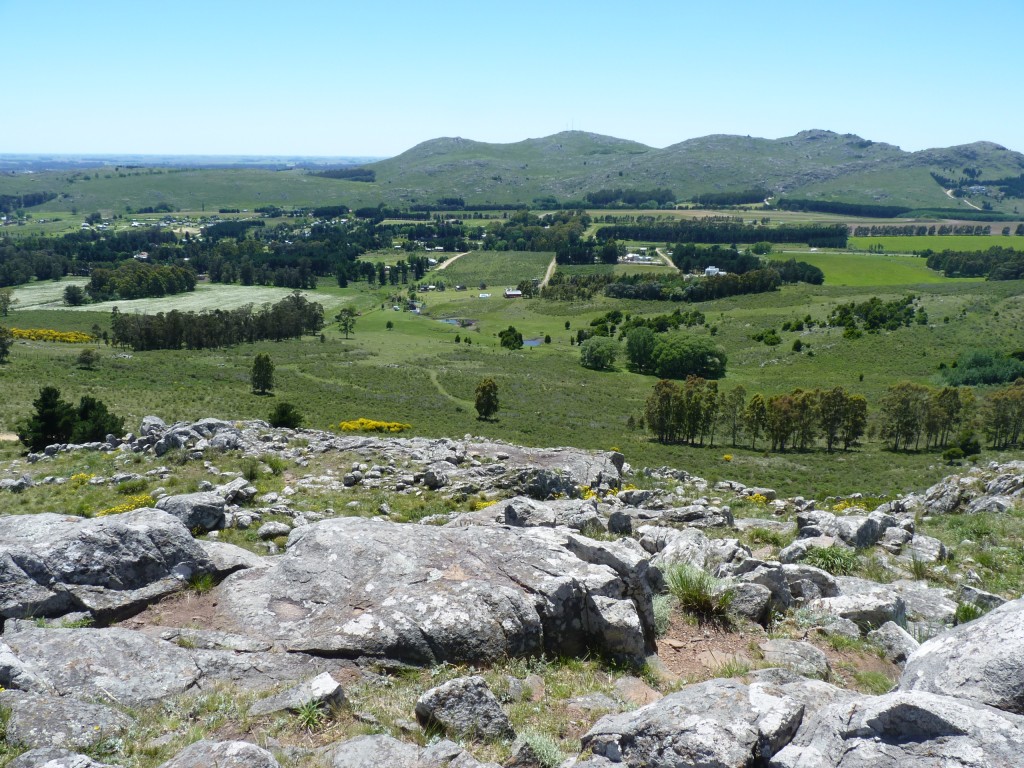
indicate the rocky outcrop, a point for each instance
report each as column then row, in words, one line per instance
column 446, row 594
column 52, row 565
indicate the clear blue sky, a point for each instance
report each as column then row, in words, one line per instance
column 379, row 76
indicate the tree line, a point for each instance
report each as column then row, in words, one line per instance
column 289, row 318
column 995, row 264
column 707, row 231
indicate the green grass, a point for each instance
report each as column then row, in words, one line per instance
column 697, row 592
column 496, row 269
column 838, row 561
column 869, row 269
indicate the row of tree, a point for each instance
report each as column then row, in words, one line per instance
column 996, row 263
column 712, row 231
column 289, row 318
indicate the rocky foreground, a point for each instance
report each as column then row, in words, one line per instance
column 563, row 557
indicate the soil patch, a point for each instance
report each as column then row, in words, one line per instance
column 697, row 651
column 8, row 437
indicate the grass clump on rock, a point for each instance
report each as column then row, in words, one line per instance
column 698, row 592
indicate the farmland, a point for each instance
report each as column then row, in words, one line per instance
column 910, row 244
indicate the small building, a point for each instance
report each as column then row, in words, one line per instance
column 513, row 293
column 713, row 272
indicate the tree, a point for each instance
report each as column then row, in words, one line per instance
column 511, row 338
column 755, row 419
column 678, row 355
column 730, row 414
column 486, row 399
column 660, row 410
column 74, row 296
column 599, row 353
column 346, row 320
column 93, row 422
column 7, row 300
column 286, row 415
column 903, row 410
column 52, row 422
column 640, row 345
column 6, row 341
column 262, row 374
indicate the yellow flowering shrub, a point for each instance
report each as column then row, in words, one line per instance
column 371, row 425
column 758, row 498
column 47, row 334
column 80, row 478
column 478, row 505
column 727, row 457
column 133, row 502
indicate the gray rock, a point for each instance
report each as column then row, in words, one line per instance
column 809, row 583
column 926, row 549
column 51, row 564
column 475, row 593
column 323, row 689
column 464, row 708
column 222, row 754
column 700, row 516
column 113, row 664
column 152, row 425
column 997, row 504
column 37, row 721
column 716, row 723
column 273, row 529
column 237, row 491
column 524, row 512
column 866, row 610
column 982, row 660
column 436, row 476
column 979, row 597
column 52, row 757
column 227, row 558
column 906, row 730
column 751, row 601
column 373, row 752
column 798, row 549
column 203, row 511
column 897, row 643
column 802, row 658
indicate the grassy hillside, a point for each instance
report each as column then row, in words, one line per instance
column 812, row 164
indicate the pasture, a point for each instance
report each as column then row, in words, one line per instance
column 415, row 371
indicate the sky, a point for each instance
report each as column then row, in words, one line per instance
column 375, row 78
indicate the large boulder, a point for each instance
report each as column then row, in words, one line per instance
column 982, row 660
column 199, row 512
column 115, row 665
column 906, row 730
column 52, row 564
column 716, row 723
column 357, row 587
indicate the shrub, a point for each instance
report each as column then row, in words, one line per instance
column 286, row 415
column 369, row 425
column 698, row 592
column 544, row 747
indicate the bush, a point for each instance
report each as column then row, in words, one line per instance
column 599, row 353
column 286, row 415
column 698, row 592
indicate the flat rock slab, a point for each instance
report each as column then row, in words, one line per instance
column 386, row 752
column 116, row 665
column 425, row 594
column 802, row 658
column 38, row 721
column 48, row 757
column 222, row 754
column 52, row 564
column 906, row 730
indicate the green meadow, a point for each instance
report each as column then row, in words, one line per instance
column 911, row 244
column 414, row 371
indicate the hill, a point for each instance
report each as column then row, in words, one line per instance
column 815, row 164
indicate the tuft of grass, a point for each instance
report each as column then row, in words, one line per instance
column 732, row 668
column 662, row 605
column 876, row 683
column 201, row 583
column 698, row 592
column 544, row 747
column 838, row 561
column 311, row 716
column 966, row 612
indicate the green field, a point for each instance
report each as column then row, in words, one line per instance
column 869, row 269
column 495, row 269
column 911, row 244
column 415, row 372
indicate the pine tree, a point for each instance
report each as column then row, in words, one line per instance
column 486, row 399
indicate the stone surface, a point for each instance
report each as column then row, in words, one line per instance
column 897, row 643
column 222, row 754
column 802, row 658
column 199, row 512
column 52, row 757
column 38, row 721
column 716, row 723
column 51, row 564
column 906, row 730
column 982, row 660
column 464, row 708
column 115, row 665
column 474, row 593
column 323, row 689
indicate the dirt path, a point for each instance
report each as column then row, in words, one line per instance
column 437, row 384
column 666, row 258
column 8, row 437
column 444, row 264
column 549, row 273
column 949, row 194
